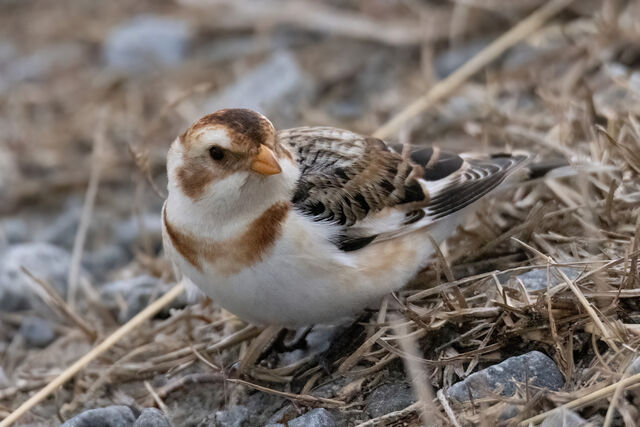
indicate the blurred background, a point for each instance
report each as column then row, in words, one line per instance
column 139, row 73
column 92, row 94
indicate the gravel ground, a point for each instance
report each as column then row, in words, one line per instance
column 536, row 302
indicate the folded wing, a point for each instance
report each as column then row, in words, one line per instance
column 372, row 191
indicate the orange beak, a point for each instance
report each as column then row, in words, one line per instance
column 265, row 162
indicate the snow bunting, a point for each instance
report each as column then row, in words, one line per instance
column 312, row 224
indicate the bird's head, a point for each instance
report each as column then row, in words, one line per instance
column 224, row 157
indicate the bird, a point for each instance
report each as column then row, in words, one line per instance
column 311, row 225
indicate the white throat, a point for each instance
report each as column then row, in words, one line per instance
column 229, row 205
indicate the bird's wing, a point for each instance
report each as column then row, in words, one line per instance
column 373, row 191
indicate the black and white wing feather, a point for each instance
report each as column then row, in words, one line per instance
column 374, row 192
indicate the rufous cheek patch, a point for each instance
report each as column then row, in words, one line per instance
column 193, row 178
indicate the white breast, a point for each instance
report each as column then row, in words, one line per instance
column 304, row 279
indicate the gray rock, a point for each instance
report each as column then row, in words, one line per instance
column 37, row 332
column 110, row 238
column 388, row 398
column 152, row 417
column 235, row 416
column 317, row 341
column 277, row 85
column 106, row 259
column 61, row 229
column 345, row 109
column 136, row 291
column 44, row 261
column 540, row 370
column 105, row 228
column 111, row 416
column 196, row 405
column 230, row 48
column 280, row 415
column 510, row 411
column 9, row 175
column 4, row 381
column 126, row 232
column 7, row 53
column 634, row 368
column 42, row 62
column 318, row 417
column 261, row 407
column 564, row 418
column 14, row 229
column 596, row 420
column 145, row 42
column 256, row 410
column 536, row 280
column 520, row 55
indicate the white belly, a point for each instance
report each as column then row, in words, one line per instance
column 305, row 280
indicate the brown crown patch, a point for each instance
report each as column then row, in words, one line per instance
column 232, row 255
column 246, row 128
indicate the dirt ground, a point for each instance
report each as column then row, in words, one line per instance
column 539, row 293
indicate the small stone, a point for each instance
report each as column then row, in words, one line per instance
column 519, row 56
column 14, row 229
column 564, row 418
column 235, row 416
column 9, row 176
column 634, row 368
column 277, row 85
column 152, row 417
column 105, row 227
column 7, row 53
column 127, row 232
column 537, row 367
column 136, row 291
column 316, row 342
column 389, row 398
column 261, row 407
column 145, row 42
column 44, row 261
column 111, row 416
column 42, row 62
column 37, row 332
column 452, row 59
column 536, row 280
column 283, row 413
column 4, row 381
column 318, row 417
column 510, row 411
column 596, row 420
column 106, row 259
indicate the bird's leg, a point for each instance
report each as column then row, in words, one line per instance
column 293, row 340
column 259, row 346
column 344, row 343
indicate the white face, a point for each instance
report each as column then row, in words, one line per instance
column 225, row 160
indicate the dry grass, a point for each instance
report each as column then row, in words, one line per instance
column 566, row 99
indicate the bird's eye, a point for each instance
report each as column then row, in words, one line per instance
column 216, row 153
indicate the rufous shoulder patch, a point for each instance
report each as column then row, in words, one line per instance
column 182, row 242
column 232, row 255
column 263, row 232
